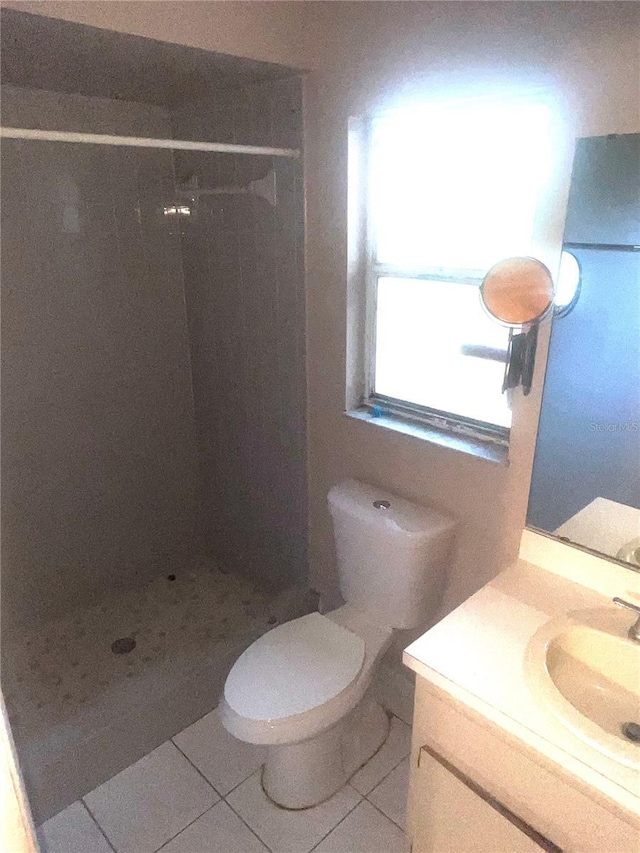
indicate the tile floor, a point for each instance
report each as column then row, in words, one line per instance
column 200, row 792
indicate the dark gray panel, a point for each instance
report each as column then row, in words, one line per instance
column 56, row 55
column 245, row 303
column 589, row 426
column 604, row 201
column 98, row 438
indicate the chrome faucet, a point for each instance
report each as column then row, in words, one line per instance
column 634, row 631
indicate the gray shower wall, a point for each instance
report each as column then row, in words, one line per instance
column 108, row 474
column 98, row 440
column 244, row 278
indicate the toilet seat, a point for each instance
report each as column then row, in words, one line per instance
column 347, row 675
column 294, row 668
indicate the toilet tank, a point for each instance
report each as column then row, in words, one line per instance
column 392, row 554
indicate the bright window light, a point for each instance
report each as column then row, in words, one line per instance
column 457, row 186
column 422, row 359
column 452, row 189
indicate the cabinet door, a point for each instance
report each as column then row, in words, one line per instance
column 453, row 815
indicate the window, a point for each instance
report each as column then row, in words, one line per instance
column 450, row 190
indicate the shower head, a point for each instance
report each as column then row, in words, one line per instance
column 263, row 187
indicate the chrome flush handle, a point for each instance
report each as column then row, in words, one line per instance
column 634, row 630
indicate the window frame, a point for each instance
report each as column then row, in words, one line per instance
column 429, row 416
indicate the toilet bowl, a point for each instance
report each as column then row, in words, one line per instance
column 300, row 690
column 303, row 690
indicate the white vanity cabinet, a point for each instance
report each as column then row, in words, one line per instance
column 473, row 789
column 451, row 813
column 499, row 764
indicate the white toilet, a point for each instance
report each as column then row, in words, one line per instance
column 301, row 689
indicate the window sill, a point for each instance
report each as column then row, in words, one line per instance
column 486, row 450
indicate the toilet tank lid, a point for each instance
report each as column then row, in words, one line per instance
column 400, row 517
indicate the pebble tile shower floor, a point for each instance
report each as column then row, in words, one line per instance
column 183, row 613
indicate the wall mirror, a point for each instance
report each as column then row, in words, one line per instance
column 585, row 487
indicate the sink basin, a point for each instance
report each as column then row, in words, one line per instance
column 588, row 671
column 599, row 674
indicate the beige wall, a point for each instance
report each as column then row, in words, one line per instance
column 365, row 55
column 271, row 31
column 380, row 53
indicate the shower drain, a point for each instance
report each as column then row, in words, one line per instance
column 631, row 731
column 123, row 645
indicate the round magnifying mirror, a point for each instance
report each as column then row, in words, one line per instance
column 517, row 291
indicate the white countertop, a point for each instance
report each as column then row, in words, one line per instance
column 477, row 654
column 602, row 525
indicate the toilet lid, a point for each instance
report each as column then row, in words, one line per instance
column 295, row 667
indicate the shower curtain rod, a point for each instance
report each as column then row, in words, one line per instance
column 143, row 142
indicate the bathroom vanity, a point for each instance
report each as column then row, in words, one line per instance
column 517, row 745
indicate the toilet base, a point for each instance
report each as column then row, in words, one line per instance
column 301, row 775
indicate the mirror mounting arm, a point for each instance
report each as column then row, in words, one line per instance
column 521, row 359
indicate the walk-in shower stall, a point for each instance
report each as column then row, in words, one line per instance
column 153, row 387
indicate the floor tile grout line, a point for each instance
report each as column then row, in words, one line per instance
column 223, row 798
column 403, row 831
column 95, row 820
column 361, row 798
column 395, row 767
column 384, row 778
column 115, row 849
column 388, row 773
column 249, row 827
column 197, row 769
column 385, row 814
column 235, row 787
column 191, row 822
column 197, row 817
column 358, row 794
column 231, row 790
column 352, row 809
